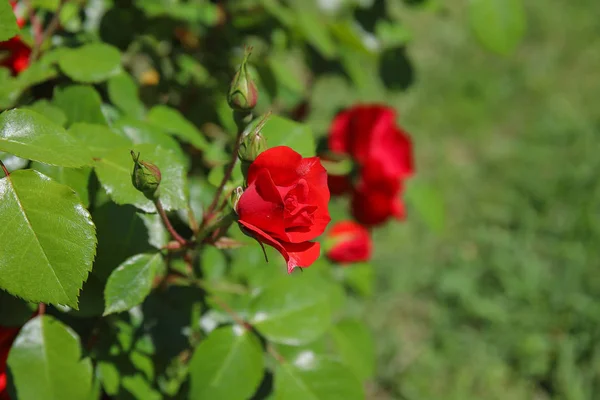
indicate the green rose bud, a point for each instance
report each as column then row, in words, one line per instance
column 145, row 177
column 251, row 146
column 235, row 197
column 243, row 93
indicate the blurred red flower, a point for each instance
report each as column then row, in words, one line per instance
column 7, row 336
column 14, row 53
column 348, row 242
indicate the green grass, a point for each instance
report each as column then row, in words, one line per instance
column 504, row 302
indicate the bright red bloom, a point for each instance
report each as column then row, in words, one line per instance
column 7, row 336
column 17, row 53
column 350, row 242
column 286, row 204
column 383, row 154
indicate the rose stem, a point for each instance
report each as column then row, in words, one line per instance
column 48, row 32
column 4, row 169
column 165, row 220
column 228, row 171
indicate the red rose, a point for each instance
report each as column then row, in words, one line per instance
column 17, row 55
column 383, row 153
column 285, row 204
column 7, row 336
column 349, row 242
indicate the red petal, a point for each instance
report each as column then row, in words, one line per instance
column 261, row 205
column 372, row 207
column 295, row 254
column 280, row 161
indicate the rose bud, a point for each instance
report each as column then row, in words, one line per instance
column 286, row 204
column 251, row 146
column 243, row 93
column 145, row 177
column 348, row 242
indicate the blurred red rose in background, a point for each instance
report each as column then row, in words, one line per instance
column 7, row 336
column 383, row 154
column 14, row 53
column 348, row 242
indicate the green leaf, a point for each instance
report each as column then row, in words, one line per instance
column 292, row 310
column 14, row 311
column 123, row 93
column 310, row 22
column 48, row 239
column 355, row 346
column 28, row 134
column 75, row 178
column 140, row 132
column 312, row 377
column 48, row 110
column 279, row 131
column 359, row 277
column 8, row 22
column 227, row 365
column 80, row 103
column 90, row 63
column 170, row 120
column 45, row 362
column 131, row 282
column 115, row 168
column 429, row 203
column 498, row 24
column 13, row 162
column 99, row 139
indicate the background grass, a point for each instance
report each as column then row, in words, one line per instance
column 504, row 301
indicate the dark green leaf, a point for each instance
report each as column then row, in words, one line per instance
column 80, row 103
column 229, row 354
column 131, row 282
column 292, row 310
column 355, row 346
column 90, row 63
column 170, row 120
column 115, row 168
column 50, row 111
column 48, row 239
column 30, row 135
column 123, row 93
column 45, row 362
column 279, row 131
column 309, row 376
column 99, row 139
column 75, row 178
column 498, row 24
column 8, row 22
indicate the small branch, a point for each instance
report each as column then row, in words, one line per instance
column 41, row 309
column 52, row 26
column 273, row 352
column 234, row 156
column 167, row 223
column 35, row 22
column 4, row 169
column 235, row 316
column 192, row 219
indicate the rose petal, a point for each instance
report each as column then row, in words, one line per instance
column 261, row 205
column 372, row 207
column 281, row 162
column 351, row 242
column 296, row 254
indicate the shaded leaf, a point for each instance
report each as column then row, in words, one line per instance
column 229, row 354
column 355, row 346
column 28, row 134
column 48, row 110
column 80, row 103
column 8, row 22
column 14, row 312
column 48, row 239
column 45, row 362
column 75, row 178
column 90, row 63
column 123, row 93
column 131, row 282
column 172, row 121
column 309, row 376
column 292, row 310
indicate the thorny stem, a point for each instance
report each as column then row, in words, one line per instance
column 167, row 223
column 48, row 32
column 235, row 316
column 234, row 155
column 4, row 169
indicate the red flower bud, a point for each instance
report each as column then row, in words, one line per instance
column 348, row 242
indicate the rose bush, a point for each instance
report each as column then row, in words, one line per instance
column 285, row 204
